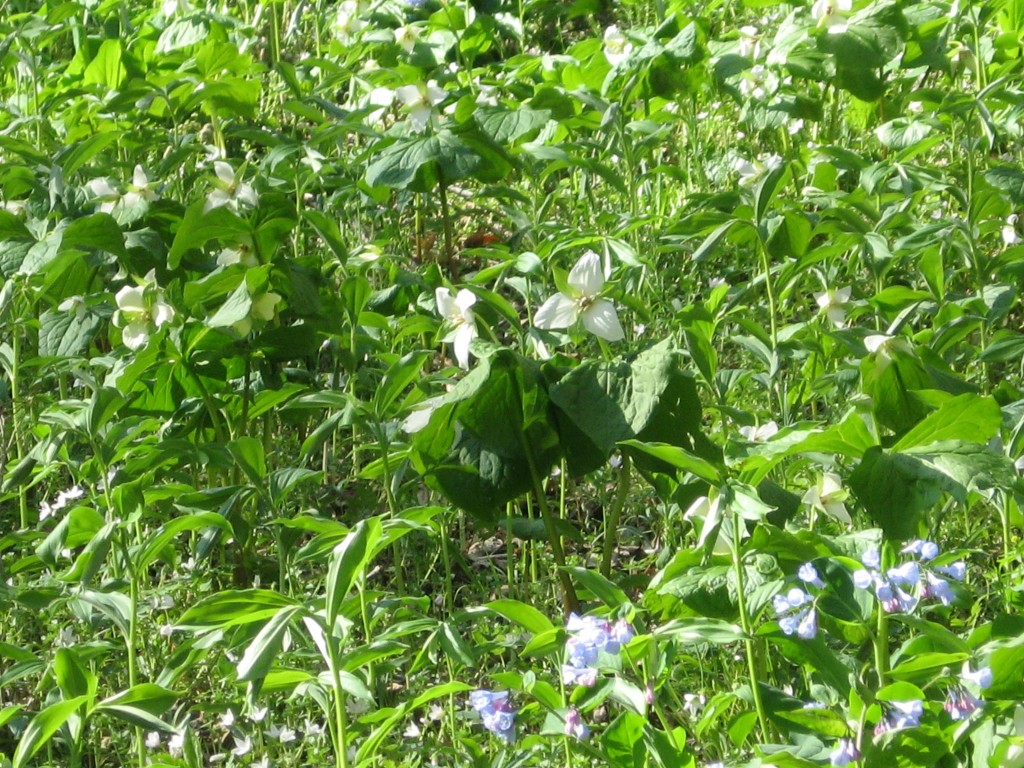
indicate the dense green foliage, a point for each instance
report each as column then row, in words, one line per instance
column 511, row 383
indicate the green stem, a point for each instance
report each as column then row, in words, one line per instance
column 19, row 449
column 611, row 520
column 133, row 597
column 747, row 626
column 340, row 716
column 881, row 638
column 570, row 602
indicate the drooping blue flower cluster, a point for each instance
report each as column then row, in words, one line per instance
column 961, row 702
column 589, row 636
column 795, row 609
column 900, row 714
column 901, row 588
column 496, row 712
column 845, row 753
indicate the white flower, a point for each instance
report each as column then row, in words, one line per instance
column 420, row 100
column 458, row 313
column 883, row 347
column 1009, row 231
column 750, row 42
column 708, row 514
column 760, row 433
column 140, row 189
column 616, row 46
column 382, row 98
column 828, row 496
column 834, row 302
column 230, row 189
column 258, row 714
column 313, row 729
column 831, row 14
column 243, row 746
column 407, row 36
column 74, row 304
column 284, row 734
column 227, row 719
column 104, row 194
column 347, row 24
column 141, row 309
column 152, row 739
column 176, row 744
column 586, row 281
column 262, row 309
column 175, row 7
column 243, row 253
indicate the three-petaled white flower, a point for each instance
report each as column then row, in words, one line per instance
column 834, row 302
column 831, row 14
column 407, row 36
column 420, row 100
column 827, row 496
column 585, row 282
column 141, row 310
column 616, row 46
column 457, row 311
column 262, row 309
column 111, row 199
column 347, row 24
column 230, row 189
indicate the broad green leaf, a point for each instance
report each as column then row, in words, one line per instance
column 78, row 155
column 895, row 489
column 156, row 543
column 822, row 721
column 700, row 630
column 42, row 727
column 99, row 231
column 232, row 608
column 147, row 697
column 114, row 605
column 526, row 616
column 968, row 418
column 622, row 741
column 423, row 160
column 62, row 334
column 200, row 226
column 236, row 308
column 506, row 125
column 262, row 652
column 600, row 587
column 73, row 678
column 106, row 68
column 348, row 561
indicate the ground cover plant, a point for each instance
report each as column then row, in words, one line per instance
column 433, row 382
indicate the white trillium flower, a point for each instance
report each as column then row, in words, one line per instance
column 457, row 311
column 407, row 36
column 243, row 253
column 105, row 195
column 382, row 98
column 262, row 309
column 74, row 304
column 883, row 347
column 616, row 46
column 586, row 281
column 831, row 14
column 140, row 189
column 828, row 496
column 230, row 189
column 347, row 24
column 834, row 303
column 761, row 432
column 141, row 310
column 420, row 100
column 750, row 42
column 1009, row 231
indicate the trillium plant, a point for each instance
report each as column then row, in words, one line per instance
column 430, row 383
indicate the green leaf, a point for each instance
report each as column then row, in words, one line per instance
column 1008, row 178
column 63, row 334
column 968, row 418
column 420, row 161
column 677, row 457
column 100, row 232
column 73, row 679
column 622, row 741
column 699, row 630
column 156, row 543
column 821, row 721
column 896, row 489
column 141, row 705
column 505, row 125
column 42, row 727
column 106, row 68
column 232, row 608
column 261, row 653
column 526, row 616
column 249, row 456
column 236, row 308
column 348, row 561
column 200, row 226
column 600, row 587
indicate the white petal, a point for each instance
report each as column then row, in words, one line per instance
column 837, row 510
column 139, row 178
column 587, row 276
column 224, row 172
column 602, row 320
column 216, row 199
column 557, row 312
column 243, row 326
column 129, row 299
column 263, row 306
column 465, row 299
column 135, row 335
column 162, row 312
column 407, row 94
column 420, row 116
column 446, row 306
column 463, row 337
